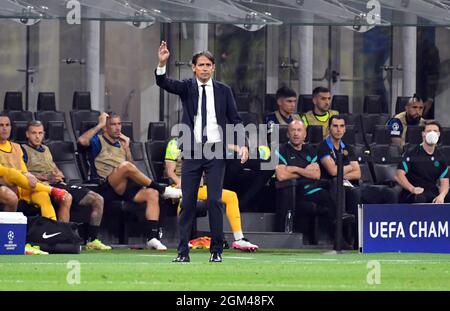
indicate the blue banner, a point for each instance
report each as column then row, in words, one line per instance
column 408, row 228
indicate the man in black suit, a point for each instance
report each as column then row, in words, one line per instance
column 202, row 96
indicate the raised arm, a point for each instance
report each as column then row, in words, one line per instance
column 85, row 138
column 171, row 86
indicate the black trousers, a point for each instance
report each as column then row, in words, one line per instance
column 324, row 206
column 191, row 173
column 427, row 196
column 233, row 169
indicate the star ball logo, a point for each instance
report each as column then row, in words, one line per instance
column 10, row 235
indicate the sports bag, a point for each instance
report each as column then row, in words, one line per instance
column 53, row 236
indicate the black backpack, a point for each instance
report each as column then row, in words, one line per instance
column 53, row 236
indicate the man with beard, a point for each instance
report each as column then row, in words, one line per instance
column 321, row 112
column 411, row 116
column 423, row 168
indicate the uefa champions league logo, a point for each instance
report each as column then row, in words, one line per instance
column 10, row 236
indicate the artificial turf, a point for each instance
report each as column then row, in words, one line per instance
column 264, row 270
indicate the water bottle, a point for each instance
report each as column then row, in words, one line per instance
column 288, row 228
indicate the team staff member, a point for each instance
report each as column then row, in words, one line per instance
column 39, row 161
column 208, row 106
column 422, row 168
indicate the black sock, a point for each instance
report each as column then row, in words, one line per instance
column 92, row 232
column 151, row 229
column 157, row 187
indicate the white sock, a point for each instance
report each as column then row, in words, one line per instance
column 238, row 235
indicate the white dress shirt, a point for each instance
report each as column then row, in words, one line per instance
column 212, row 128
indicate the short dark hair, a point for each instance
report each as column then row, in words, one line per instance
column 432, row 122
column 284, row 92
column 112, row 114
column 416, row 98
column 335, row 117
column 320, row 89
column 34, row 123
column 207, row 54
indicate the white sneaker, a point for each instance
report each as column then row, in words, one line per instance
column 172, row 193
column 244, row 245
column 156, row 244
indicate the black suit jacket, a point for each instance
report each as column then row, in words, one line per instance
column 225, row 106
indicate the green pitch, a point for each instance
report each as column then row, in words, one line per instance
column 264, row 270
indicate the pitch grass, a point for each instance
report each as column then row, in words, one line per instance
column 264, row 270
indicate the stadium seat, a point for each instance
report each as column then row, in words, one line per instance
column 386, row 154
column 46, row 116
column 249, row 118
column 13, row 101
column 366, row 175
column 46, row 101
column 369, row 121
column 350, row 135
column 446, row 151
column 374, row 104
column 314, row 134
column 413, row 135
column 18, row 131
column 340, row 103
column 444, row 139
column 283, row 132
column 156, row 151
column 361, row 153
column 385, row 176
column 127, row 129
column 81, row 101
column 64, row 156
column 78, row 116
column 381, row 135
column 270, row 103
column 55, row 131
column 400, row 103
column 286, row 209
column 15, row 115
column 243, row 101
column 305, row 103
column 157, row 131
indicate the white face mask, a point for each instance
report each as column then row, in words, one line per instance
column 432, row 138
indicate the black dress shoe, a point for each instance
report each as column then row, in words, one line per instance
column 182, row 258
column 215, row 257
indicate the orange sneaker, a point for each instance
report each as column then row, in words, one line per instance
column 57, row 194
column 203, row 242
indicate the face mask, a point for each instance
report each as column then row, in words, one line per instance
column 432, row 138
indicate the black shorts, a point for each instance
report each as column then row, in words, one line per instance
column 108, row 193
column 77, row 192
